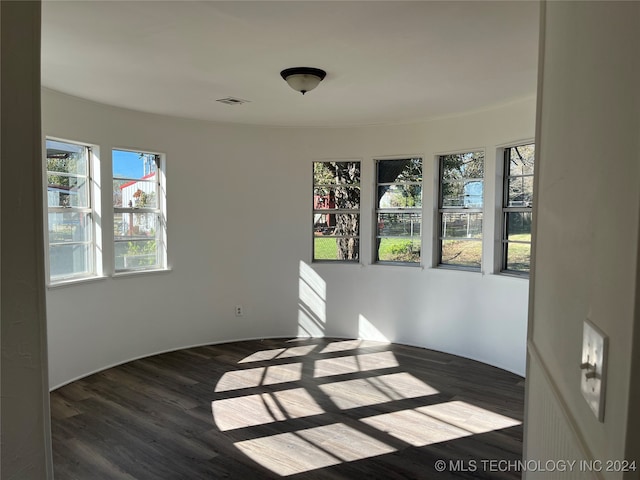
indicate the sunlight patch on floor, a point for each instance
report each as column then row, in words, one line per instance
column 414, row 428
column 260, row 409
column 354, row 363
column 254, row 377
column 345, row 345
column 470, row 417
column 439, row 423
column 263, row 355
column 375, row 390
column 299, row 351
column 310, row 449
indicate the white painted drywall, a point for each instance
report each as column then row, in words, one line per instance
column 239, row 219
column 25, row 432
column 587, row 214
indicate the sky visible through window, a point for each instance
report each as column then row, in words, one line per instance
column 127, row 164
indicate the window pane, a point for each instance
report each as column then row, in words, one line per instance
column 520, row 192
column 461, row 166
column 519, row 226
column 399, row 250
column 69, row 227
column 135, row 194
column 397, row 171
column 136, row 254
column 65, row 190
column 336, row 197
column 336, row 248
column 325, row 248
column 323, row 199
column 462, row 225
column 347, row 224
column 336, row 186
column 134, row 225
column 136, row 235
column 69, row 260
column 135, row 179
column 333, row 173
column 65, row 157
column 462, row 194
column 134, row 165
column 452, row 194
column 323, row 224
column 518, row 257
column 399, row 224
column 521, row 160
column 399, row 196
column 464, row 253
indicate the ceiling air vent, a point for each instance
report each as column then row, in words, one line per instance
column 232, row 101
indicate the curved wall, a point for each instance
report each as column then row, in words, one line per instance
column 239, row 232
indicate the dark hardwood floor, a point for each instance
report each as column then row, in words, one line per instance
column 296, row 408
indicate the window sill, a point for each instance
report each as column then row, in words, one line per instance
column 453, row 268
column 506, row 273
column 353, row 263
column 134, row 273
column 397, row 264
column 75, row 281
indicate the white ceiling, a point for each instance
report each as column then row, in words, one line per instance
column 386, row 61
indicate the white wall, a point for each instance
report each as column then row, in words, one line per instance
column 587, row 221
column 239, row 219
column 25, row 426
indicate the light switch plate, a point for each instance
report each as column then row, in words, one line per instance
column 593, row 369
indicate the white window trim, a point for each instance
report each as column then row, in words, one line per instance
column 439, row 210
column 93, row 178
column 160, row 210
column 376, row 210
column 501, row 231
column 357, row 211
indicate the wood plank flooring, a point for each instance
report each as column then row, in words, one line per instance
column 294, row 408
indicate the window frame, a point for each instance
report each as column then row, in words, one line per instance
column 94, row 262
column 159, row 211
column 441, row 210
column 336, row 211
column 397, row 210
column 506, row 209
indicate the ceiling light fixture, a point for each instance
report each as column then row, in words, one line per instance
column 303, row 79
column 232, row 101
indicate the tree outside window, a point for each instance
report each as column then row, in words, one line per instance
column 336, row 211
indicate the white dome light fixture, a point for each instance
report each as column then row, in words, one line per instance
column 303, row 79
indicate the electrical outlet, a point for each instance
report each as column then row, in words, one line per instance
column 239, row 311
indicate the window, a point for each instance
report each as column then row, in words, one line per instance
column 516, row 208
column 398, row 210
column 336, row 211
column 460, row 210
column 70, row 214
column 138, row 211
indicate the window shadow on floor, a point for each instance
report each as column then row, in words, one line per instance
column 294, row 408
